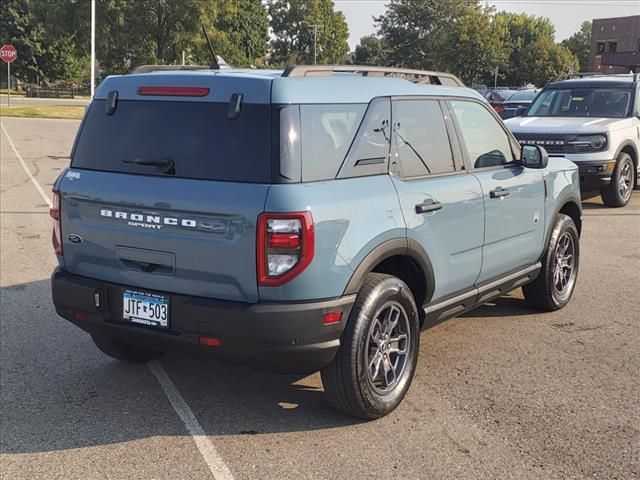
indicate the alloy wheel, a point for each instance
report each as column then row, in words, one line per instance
column 564, row 264
column 625, row 181
column 388, row 345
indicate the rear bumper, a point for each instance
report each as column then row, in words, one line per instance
column 284, row 336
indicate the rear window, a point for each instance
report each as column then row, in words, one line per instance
column 197, row 137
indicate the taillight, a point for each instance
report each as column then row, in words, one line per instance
column 285, row 246
column 54, row 213
column 498, row 108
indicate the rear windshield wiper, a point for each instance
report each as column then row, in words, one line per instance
column 166, row 164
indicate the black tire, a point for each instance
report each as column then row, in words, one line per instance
column 124, row 352
column 618, row 192
column 350, row 386
column 544, row 293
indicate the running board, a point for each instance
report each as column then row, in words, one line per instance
column 463, row 302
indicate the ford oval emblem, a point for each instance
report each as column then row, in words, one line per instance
column 74, row 238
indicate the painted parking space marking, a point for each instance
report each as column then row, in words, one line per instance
column 216, row 465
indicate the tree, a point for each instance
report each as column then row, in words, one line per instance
column 244, row 25
column 472, row 46
column 369, row 51
column 136, row 32
column 18, row 27
column 580, row 44
column 413, row 31
column 549, row 60
column 529, row 40
column 292, row 23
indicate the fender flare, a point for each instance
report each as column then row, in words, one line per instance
column 624, row 144
column 390, row 248
column 570, row 197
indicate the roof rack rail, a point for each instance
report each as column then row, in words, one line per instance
column 571, row 76
column 158, row 68
column 415, row 76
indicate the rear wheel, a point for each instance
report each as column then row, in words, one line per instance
column 618, row 192
column 373, row 369
column 554, row 286
column 122, row 351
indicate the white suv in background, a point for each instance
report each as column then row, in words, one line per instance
column 594, row 121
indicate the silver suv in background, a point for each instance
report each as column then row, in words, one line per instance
column 594, row 121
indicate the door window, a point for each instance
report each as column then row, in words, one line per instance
column 487, row 143
column 421, row 141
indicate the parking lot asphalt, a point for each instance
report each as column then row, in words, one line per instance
column 503, row 392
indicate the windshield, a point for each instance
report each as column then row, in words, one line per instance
column 582, row 102
column 523, row 96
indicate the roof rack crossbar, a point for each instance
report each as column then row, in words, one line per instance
column 420, row 76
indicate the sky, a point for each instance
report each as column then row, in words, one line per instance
column 566, row 15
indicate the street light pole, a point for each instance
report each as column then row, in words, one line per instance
column 93, row 47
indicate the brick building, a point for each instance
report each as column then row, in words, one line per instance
column 615, row 45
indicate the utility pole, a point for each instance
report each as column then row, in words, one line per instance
column 93, row 47
column 315, row 41
column 495, row 80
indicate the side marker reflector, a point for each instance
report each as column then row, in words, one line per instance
column 210, row 341
column 332, row 318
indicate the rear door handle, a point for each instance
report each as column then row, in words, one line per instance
column 499, row 192
column 427, row 207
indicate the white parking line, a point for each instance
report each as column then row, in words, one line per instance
column 216, row 465
column 208, row 451
column 26, row 169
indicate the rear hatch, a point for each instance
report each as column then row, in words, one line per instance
column 164, row 194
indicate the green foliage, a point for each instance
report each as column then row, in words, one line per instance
column 579, row 44
column 292, row 24
column 533, row 55
column 413, row 31
column 473, row 46
column 369, row 51
column 19, row 28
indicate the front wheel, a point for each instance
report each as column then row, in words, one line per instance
column 374, row 366
column 618, row 192
column 554, row 286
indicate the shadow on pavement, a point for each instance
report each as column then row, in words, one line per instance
column 58, row 391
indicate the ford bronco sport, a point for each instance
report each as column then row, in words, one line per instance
column 311, row 219
column 594, row 121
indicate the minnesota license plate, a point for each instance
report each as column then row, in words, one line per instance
column 145, row 308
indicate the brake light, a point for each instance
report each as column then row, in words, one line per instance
column 498, row 108
column 174, row 91
column 285, row 246
column 54, row 213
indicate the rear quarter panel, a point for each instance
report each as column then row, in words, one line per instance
column 351, row 217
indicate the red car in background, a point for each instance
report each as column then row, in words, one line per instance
column 497, row 97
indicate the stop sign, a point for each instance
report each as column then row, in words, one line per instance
column 8, row 53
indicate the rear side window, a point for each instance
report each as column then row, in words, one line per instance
column 421, row 140
column 197, row 137
column 327, row 133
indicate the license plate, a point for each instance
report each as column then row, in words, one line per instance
column 145, row 308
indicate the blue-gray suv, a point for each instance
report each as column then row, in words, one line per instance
column 310, row 219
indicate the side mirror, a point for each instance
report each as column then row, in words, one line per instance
column 534, row 156
column 520, row 111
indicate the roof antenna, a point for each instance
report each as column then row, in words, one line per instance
column 215, row 65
